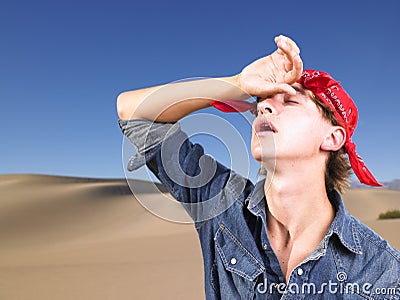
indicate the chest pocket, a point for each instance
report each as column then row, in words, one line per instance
column 240, row 267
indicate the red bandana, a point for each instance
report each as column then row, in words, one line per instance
column 345, row 111
column 234, row 106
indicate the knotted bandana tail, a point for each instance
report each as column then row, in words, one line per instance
column 359, row 167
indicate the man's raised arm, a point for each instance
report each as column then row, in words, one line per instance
column 264, row 77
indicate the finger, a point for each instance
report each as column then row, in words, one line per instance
column 289, row 60
column 281, row 43
column 296, row 70
column 287, row 50
column 282, row 88
column 288, row 65
column 292, row 44
column 277, row 41
column 293, row 63
column 262, row 88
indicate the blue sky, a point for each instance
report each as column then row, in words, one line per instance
column 63, row 63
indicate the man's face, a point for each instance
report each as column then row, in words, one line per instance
column 287, row 128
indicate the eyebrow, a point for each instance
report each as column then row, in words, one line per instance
column 300, row 90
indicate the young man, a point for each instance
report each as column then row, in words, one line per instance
column 289, row 236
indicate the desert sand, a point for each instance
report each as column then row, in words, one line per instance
column 80, row 238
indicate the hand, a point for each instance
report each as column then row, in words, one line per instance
column 274, row 73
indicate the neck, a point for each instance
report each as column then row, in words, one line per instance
column 298, row 205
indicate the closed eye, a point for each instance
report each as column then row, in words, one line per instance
column 291, row 101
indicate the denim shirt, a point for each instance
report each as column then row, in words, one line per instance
column 351, row 262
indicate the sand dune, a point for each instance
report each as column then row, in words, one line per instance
column 77, row 238
column 81, row 238
column 367, row 204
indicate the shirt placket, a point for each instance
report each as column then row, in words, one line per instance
column 273, row 276
column 299, row 281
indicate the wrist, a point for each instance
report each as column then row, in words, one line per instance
column 235, row 80
column 238, row 93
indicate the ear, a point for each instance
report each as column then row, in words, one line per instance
column 334, row 139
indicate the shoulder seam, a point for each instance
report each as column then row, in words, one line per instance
column 380, row 245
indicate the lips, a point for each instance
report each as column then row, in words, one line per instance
column 263, row 125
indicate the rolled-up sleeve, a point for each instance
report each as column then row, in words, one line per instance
column 145, row 135
column 191, row 176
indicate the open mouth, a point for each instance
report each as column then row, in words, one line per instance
column 263, row 125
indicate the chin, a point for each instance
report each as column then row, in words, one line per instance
column 263, row 153
column 263, row 158
column 256, row 151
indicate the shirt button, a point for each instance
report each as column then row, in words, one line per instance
column 233, row 261
column 300, row 271
column 265, row 246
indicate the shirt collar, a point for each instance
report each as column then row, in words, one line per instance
column 256, row 200
column 343, row 224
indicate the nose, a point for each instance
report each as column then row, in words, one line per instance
column 264, row 108
column 273, row 105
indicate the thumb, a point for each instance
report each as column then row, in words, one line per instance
column 262, row 88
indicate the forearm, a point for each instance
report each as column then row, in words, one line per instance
column 171, row 102
column 264, row 77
